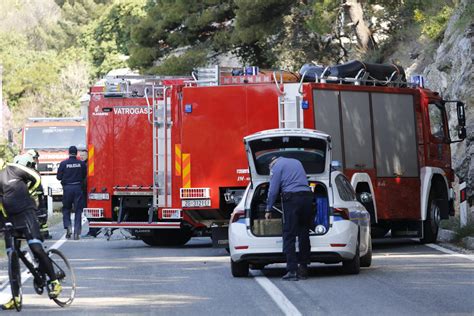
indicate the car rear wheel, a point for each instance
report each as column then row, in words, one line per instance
column 352, row 266
column 239, row 269
column 366, row 260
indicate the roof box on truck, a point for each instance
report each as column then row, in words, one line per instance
column 365, row 73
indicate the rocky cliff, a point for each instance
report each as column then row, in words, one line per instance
column 447, row 68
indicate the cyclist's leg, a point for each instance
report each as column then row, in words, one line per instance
column 35, row 242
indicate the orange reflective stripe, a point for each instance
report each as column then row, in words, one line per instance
column 186, row 170
column 177, row 159
column 90, row 161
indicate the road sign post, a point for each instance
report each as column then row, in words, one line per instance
column 463, row 204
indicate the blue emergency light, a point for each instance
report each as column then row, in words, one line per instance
column 188, row 108
column 418, row 80
column 251, row 71
column 305, row 104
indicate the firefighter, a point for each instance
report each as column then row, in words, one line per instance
column 42, row 209
column 72, row 173
column 17, row 182
column 288, row 178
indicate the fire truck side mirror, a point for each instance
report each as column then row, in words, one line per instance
column 461, row 114
column 461, row 120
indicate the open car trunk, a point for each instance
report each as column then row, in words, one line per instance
column 261, row 227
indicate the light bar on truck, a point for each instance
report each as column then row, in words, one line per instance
column 93, row 212
column 418, row 80
column 99, row 196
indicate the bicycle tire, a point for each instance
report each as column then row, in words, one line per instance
column 14, row 275
column 65, row 275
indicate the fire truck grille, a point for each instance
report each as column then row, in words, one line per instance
column 195, row 193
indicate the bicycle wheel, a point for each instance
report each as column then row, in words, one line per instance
column 14, row 274
column 65, row 275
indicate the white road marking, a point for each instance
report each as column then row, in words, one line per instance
column 451, row 252
column 277, row 296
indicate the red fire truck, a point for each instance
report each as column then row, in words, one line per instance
column 167, row 162
column 51, row 137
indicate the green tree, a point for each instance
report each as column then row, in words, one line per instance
column 25, row 70
column 173, row 24
column 76, row 15
column 258, row 28
column 107, row 38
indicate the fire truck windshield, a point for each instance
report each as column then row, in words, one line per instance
column 55, row 137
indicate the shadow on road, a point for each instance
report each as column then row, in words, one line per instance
column 393, row 243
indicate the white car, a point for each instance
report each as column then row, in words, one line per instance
column 342, row 225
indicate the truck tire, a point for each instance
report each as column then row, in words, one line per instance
column 366, row 260
column 352, row 266
column 431, row 224
column 239, row 269
column 168, row 238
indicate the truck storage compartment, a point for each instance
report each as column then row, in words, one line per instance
column 274, row 227
column 131, row 208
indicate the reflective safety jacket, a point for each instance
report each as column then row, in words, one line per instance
column 17, row 182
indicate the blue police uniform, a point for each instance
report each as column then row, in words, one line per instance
column 288, row 177
column 72, row 173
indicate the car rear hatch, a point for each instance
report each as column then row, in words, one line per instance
column 312, row 149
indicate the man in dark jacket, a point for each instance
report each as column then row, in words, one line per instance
column 288, row 178
column 17, row 181
column 72, row 173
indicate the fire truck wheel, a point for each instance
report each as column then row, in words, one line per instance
column 431, row 224
column 239, row 269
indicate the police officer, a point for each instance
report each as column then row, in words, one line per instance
column 72, row 173
column 288, row 177
column 42, row 209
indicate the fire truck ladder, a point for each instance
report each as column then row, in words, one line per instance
column 160, row 117
column 290, row 114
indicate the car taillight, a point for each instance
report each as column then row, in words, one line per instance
column 341, row 211
column 237, row 215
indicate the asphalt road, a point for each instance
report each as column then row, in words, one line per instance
column 128, row 277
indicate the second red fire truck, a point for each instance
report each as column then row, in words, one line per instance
column 167, row 161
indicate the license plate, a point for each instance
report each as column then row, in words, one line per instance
column 196, row 203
